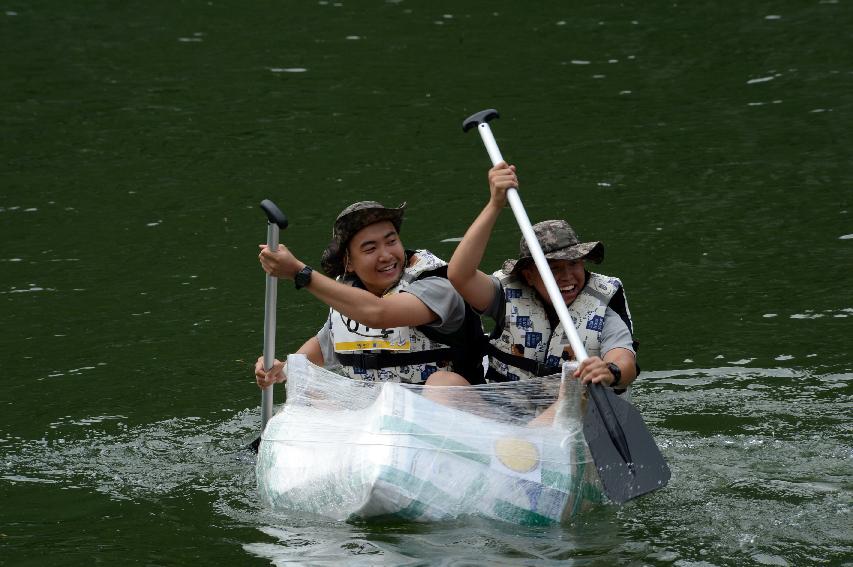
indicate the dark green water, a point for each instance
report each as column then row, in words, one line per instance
column 707, row 144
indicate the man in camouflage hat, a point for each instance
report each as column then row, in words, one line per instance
column 349, row 222
column 393, row 315
column 528, row 339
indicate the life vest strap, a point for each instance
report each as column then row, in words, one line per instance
column 528, row 365
column 377, row 360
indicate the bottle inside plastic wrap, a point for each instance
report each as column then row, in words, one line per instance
column 569, row 414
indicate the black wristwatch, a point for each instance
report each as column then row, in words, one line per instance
column 303, row 277
column 617, row 374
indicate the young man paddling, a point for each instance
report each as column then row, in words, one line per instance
column 393, row 316
column 528, row 339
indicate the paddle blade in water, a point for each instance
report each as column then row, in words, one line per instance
column 626, row 456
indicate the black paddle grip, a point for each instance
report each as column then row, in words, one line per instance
column 274, row 214
column 479, row 118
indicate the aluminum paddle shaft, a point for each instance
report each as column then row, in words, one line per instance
column 480, row 120
column 276, row 221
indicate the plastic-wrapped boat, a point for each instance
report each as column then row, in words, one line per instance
column 346, row 449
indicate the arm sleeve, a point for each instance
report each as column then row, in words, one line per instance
column 615, row 333
column 496, row 307
column 442, row 299
column 326, row 346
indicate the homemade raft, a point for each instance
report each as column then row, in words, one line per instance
column 345, row 449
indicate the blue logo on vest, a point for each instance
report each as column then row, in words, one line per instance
column 512, row 293
column 531, row 339
column 427, row 371
column 523, row 322
column 596, row 323
column 552, row 360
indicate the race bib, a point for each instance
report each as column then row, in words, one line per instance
column 349, row 335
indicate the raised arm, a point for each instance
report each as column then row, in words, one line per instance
column 474, row 285
column 398, row 310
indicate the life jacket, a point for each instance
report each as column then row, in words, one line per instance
column 408, row 354
column 524, row 345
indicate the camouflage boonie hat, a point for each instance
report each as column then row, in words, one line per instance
column 351, row 220
column 559, row 242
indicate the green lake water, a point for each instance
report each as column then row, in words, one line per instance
column 707, row 144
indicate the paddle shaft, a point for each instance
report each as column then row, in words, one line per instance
column 276, row 221
column 269, row 328
column 535, row 250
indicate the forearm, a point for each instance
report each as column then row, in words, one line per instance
column 469, row 253
column 356, row 303
column 395, row 310
column 463, row 269
column 627, row 363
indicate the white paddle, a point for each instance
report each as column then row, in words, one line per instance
column 628, row 460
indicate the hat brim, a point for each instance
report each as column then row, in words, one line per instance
column 589, row 251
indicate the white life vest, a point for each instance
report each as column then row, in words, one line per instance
column 350, row 337
column 527, row 330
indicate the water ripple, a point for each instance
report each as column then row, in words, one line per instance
column 760, row 461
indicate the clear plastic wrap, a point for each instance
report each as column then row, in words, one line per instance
column 345, row 448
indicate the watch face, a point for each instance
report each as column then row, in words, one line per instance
column 303, row 278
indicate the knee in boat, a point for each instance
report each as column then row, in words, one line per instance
column 445, row 378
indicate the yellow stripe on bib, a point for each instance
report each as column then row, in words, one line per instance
column 371, row 345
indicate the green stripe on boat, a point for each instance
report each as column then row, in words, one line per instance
column 556, row 479
column 512, row 513
column 424, row 489
column 397, row 425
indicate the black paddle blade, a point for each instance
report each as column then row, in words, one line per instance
column 625, row 454
column 254, row 445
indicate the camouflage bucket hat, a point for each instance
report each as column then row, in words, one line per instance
column 559, row 242
column 351, row 220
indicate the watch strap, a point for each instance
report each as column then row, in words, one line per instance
column 617, row 374
column 303, row 277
